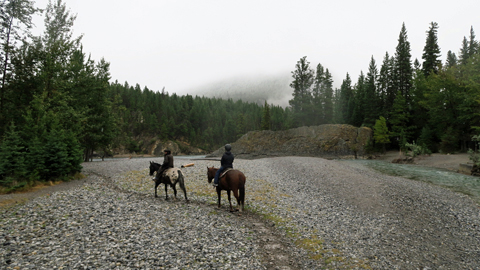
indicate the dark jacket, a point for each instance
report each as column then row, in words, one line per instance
column 227, row 160
column 167, row 161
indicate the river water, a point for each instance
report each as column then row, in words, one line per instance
column 457, row 182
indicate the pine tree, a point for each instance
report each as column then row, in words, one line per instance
column 464, row 52
column 358, row 102
column 266, row 123
column 381, row 133
column 328, row 100
column 12, row 157
column 431, row 51
column 14, row 15
column 402, row 71
column 451, row 59
column 472, row 44
column 386, row 85
column 318, row 96
column 370, row 98
column 346, row 94
column 303, row 79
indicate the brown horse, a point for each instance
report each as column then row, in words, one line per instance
column 233, row 180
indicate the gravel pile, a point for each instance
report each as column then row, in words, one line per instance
column 301, row 213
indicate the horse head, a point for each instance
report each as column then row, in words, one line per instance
column 211, row 173
column 154, row 167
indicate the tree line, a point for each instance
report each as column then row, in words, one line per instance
column 430, row 104
column 58, row 106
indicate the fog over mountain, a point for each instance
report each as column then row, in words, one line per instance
column 275, row 89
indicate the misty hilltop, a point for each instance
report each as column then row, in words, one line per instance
column 275, row 89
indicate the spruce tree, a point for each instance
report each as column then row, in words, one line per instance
column 464, row 52
column 402, row 72
column 328, row 98
column 12, row 157
column 370, row 98
column 431, row 51
column 303, row 79
column 266, row 123
column 15, row 25
column 386, row 85
column 381, row 133
column 318, row 96
column 472, row 44
column 359, row 104
column 451, row 59
column 346, row 94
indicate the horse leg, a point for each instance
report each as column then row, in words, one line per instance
column 166, row 195
column 175, row 190
column 182, row 186
column 242, row 197
column 230, row 201
column 156, row 185
column 235, row 193
column 219, row 193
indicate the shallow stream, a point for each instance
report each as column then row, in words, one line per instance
column 457, row 182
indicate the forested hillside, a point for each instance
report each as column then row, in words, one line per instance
column 58, row 106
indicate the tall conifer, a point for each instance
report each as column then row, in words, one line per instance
column 402, row 72
column 431, row 51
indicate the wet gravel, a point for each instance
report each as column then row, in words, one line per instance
column 301, row 213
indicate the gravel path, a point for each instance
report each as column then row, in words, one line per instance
column 302, row 213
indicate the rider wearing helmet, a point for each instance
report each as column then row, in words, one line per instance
column 225, row 162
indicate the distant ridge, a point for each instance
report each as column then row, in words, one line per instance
column 275, row 89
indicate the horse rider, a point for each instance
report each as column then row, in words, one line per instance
column 167, row 163
column 225, row 163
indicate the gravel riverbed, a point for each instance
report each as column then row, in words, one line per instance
column 301, row 213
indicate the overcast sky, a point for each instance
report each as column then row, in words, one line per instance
column 181, row 45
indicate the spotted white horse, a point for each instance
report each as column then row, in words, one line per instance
column 171, row 177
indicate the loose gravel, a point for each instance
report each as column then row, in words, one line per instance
column 301, row 213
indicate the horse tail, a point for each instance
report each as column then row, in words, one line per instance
column 242, row 188
column 181, row 181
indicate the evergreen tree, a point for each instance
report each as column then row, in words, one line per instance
column 318, row 96
column 266, row 123
column 346, row 94
column 431, row 51
column 400, row 113
column 303, row 79
column 328, row 98
column 464, row 52
column 14, row 15
column 451, row 59
column 385, row 85
column 12, row 157
column 358, row 102
column 402, row 71
column 370, row 98
column 381, row 133
column 400, row 119
column 472, row 44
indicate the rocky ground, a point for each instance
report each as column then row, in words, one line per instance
column 302, row 213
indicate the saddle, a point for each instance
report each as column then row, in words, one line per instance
column 224, row 172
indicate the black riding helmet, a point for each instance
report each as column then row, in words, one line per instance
column 167, row 151
column 228, row 147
